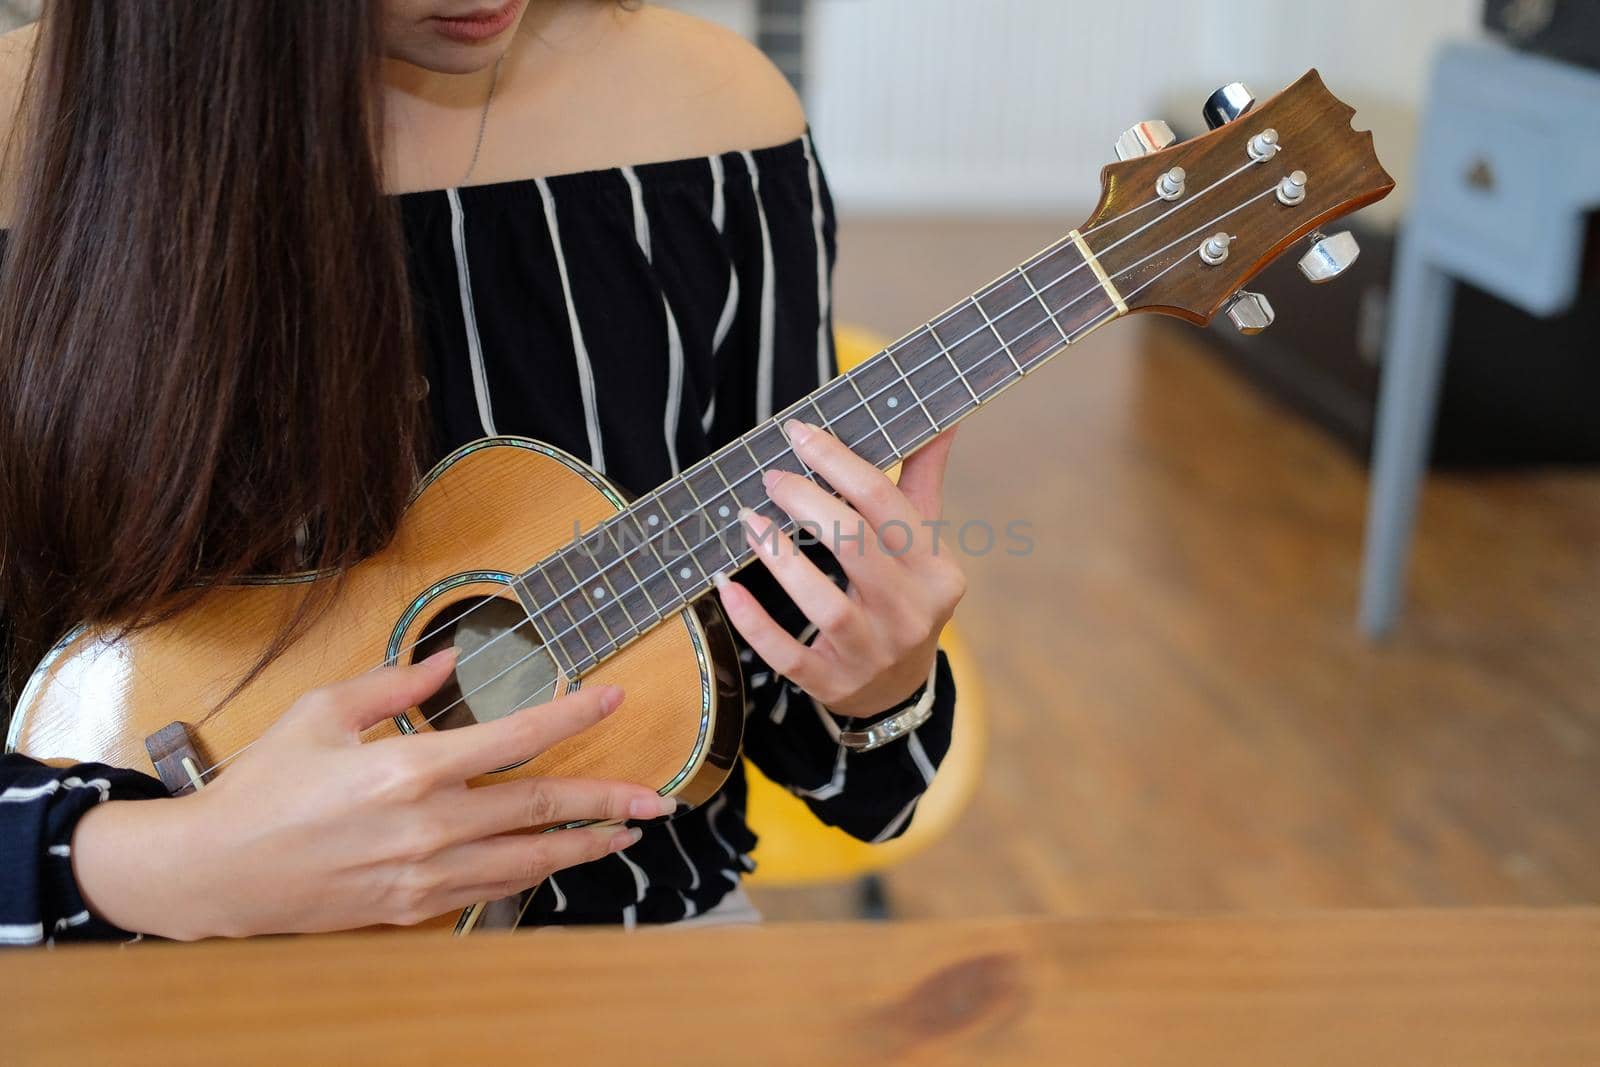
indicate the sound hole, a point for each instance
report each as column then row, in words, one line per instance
column 501, row 665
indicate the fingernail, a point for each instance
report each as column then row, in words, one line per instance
column 719, row 580
column 626, row 839
column 771, row 479
column 799, row 432
column 652, row 807
column 610, row 698
column 443, row 654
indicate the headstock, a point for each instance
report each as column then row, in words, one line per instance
column 1180, row 228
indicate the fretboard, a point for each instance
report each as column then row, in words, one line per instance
column 650, row 561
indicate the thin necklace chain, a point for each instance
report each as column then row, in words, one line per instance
column 483, row 121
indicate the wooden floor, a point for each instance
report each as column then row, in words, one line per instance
column 1183, row 716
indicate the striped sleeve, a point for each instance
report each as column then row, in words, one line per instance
column 871, row 796
column 39, row 809
column 790, row 736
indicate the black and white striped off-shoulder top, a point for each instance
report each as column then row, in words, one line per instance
column 637, row 317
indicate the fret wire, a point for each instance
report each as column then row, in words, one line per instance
column 1053, row 346
column 657, row 497
column 953, row 364
column 550, row 641
column 617, row 598
column 1001, row 340
column 822, row 416
column 761, row 468
column 733, row 492
column 695, row 551
column 727, row 490
column 688, row 551
column 1048, row 314
column 557, row 600
column 671, row 527
column 895, row 363
column 822, row 423
column 825, row 424
column 551, row 647
column 595, row 614
column 692, row 553
column 922, row 435
column 758, row 467
column 848, row 420
column 894, row 449
column 623, row 554
column 646, row 541
column 858, row 421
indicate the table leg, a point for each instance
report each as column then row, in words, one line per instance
column 1419, row 312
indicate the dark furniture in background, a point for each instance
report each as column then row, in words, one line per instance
column 1322, row 355
column 1564, row 29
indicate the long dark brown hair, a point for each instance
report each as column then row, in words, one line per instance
column 206, row 346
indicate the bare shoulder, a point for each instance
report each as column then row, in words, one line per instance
column 16, row 53
column 734, row 90
column 607, row 85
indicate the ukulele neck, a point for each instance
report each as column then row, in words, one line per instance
column 616, row 581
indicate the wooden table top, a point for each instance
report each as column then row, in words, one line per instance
column 1449, row 987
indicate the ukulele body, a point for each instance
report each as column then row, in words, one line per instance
column 486, row 513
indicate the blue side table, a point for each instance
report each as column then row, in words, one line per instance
column 1508, row 166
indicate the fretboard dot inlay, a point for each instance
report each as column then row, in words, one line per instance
column 684, row 573
column 893, row 402
column 723, row 511
column 653, row 520
column 599, row 594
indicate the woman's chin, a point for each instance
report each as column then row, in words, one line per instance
column 442, row 56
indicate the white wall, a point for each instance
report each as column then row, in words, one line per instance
column 1012, row 105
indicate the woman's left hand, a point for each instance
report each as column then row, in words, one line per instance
column 876, row 643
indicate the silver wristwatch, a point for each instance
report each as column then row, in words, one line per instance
column 895, row 726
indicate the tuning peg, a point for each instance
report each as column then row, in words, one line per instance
column 1250, row 312
column 1147, row 137
column 1227, row 104
column 1329, row 256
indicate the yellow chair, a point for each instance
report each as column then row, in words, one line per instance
column 795, row 849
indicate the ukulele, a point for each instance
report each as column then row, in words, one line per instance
column 546, row 577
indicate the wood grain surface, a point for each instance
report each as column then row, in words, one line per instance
column 1446, row 987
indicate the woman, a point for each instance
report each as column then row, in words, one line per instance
column 266, row 262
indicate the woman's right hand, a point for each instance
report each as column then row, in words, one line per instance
column 312, row 830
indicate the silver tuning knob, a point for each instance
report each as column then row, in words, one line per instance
column 1147, row 137
column 1329, row 256
column 1227, row 104
column 1250, row 312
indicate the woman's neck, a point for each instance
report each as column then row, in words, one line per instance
column 432, row 119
